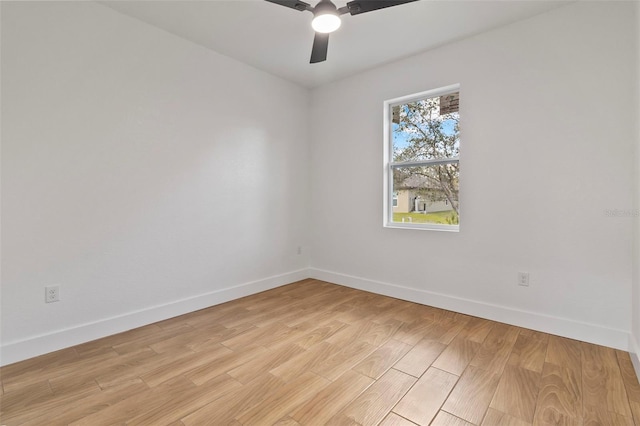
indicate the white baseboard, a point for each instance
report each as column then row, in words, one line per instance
column 586, row 332
column 634, row 350
column 37, row 345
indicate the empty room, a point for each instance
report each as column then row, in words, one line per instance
column 283, row 212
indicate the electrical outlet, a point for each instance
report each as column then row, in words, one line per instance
column 52, row 293
column 299, row 249
column 523, row 279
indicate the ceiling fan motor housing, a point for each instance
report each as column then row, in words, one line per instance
column 325, row 6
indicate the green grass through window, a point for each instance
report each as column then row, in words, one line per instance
column 446, row 218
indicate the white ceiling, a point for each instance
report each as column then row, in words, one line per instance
column 278, row 40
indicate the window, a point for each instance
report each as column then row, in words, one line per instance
column 422, row 160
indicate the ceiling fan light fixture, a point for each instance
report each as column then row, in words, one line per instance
column 326, row 18
column 326, row 22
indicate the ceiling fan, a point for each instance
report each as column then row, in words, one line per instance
column 326, row 18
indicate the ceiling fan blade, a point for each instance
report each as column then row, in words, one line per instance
column 293, row 4
column 320, row 47
column 357, row 7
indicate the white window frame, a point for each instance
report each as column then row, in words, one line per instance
column 389, row 165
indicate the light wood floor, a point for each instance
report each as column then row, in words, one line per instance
column 314, row 353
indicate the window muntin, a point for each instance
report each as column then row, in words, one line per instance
column 422, row 153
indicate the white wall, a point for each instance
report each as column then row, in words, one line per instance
column 145, row 175
column 634, row 346
column 148, row 177
column 547, row 122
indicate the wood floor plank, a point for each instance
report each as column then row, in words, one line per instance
column 21, row 399
column 496, row 348
column 629, row 376
column 457, row 355
column 316, row 316
column 424, row 399
column 135, row 345
column 319, row 334
column 146, row 401
column 286, row 421
column 223, row 364
column 445, row 419
column 452, row 326
column 621, row 420
column 111, row 366
column 560, row 397
column 395, row 420
column 203, row 337
column 68, row 388
column 517, row 393
column 498, row 418
column 347, row 334
column 292, row 317
column 476, row 329
column 630, row 383
column 305, row 361
column 271, row 359
column 60, row 412
column 332, row 399
column 429, row 313
column 565, row 353
column 105, row 344
column 248, row 338
column 59, row 368
column 376, row 402
column 377, row 334
column 224, row 410
column 134, row 368
column 533, row 334
column 412, row 332
column 635, row 410
column 382, row 359
column 604, row 391
column 442, row 333
column 210, row 340
column 184, row 403
column 188, row 338
column 350, row 313
column 36, row 367
column 182, row 365
column 285, row 400
column 474, row 381
column 528, row 352
column 399, row 310
column 229, row 315
column 347, row 357
column 420, row 358
column 275, row 314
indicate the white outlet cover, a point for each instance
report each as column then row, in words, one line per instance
column 51, row 293
column 523, row 279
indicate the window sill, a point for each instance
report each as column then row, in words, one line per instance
column 423, row 227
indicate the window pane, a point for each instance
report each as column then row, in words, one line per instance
column 426, row 129
column 427, row 194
